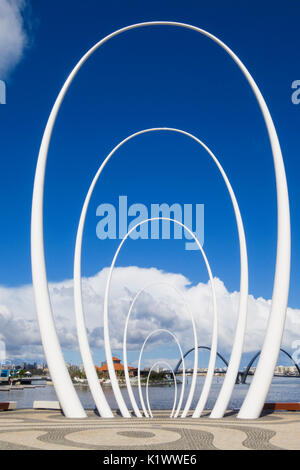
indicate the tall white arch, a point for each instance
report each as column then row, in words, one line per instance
column 258, row 390
column 232, row 371
column 175, row 385
column 127, row 379
column 213, row 353
column 161, row 330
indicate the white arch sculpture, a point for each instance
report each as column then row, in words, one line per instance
column 127, row 379
column 162, row 330
column 213, row 353
column 175, row 391
column 261, row 382
column 232, row 371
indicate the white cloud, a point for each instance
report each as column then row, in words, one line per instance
column 13, row 37
column 159, row 307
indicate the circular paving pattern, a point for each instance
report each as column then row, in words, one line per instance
column 33, row 429
column 115, row 438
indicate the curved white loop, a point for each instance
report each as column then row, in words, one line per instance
column 127, row 379
column 260, row 385
column 175, row 385
column 162, row 330
column 232, row 371
column 213, row 352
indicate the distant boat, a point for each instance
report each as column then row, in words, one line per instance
column 80, row 381
column 106, row 382
column 25, row 380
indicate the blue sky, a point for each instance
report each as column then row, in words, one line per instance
column 160, row 76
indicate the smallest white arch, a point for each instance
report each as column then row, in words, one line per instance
column 175, row 385
column 161, row 330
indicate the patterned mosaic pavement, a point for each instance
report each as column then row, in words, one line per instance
column 49, row 430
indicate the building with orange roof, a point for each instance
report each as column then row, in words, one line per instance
column 119, row 368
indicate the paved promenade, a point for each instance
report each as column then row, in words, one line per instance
column 28, row 429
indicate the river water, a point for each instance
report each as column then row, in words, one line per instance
column 161, row 397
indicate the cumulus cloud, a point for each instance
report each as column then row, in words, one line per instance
column 13, row 38
column 159, row 306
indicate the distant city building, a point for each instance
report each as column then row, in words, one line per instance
column 286, row 370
